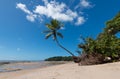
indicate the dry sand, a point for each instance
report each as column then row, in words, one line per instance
column 68, row 71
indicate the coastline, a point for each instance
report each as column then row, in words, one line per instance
column 9, row 66
column 68, row 71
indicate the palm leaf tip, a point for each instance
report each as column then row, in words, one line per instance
column 59, row 34
column 48, row 35
column 49, row 26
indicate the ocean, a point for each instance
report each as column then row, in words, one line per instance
column 10, row 66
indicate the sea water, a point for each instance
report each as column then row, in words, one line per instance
column 23, row 65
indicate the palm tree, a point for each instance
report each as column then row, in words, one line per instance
column 53, row 28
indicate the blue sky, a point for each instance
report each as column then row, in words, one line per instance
column 22, row 23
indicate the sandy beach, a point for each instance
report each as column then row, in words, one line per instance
column 68, row 71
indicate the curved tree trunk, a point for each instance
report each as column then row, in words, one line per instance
column 75, row 58
column 63, row 47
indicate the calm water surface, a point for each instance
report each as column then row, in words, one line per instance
column 23, row 65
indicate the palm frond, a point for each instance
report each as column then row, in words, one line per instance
column 50, row 26
column 59, row 34
column 56, row 24
column 48, row 35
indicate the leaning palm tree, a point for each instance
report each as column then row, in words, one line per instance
column 52, row 31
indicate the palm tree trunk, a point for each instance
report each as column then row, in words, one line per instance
column 63, row 47
column 75, row 58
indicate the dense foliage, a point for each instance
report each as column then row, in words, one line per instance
column 59, row 58
column 107, row 43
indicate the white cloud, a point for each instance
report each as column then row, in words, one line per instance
column 23, row 8
column 55, row 10
column 30, row 16
column 80, row 21
column 62, row 28
column 83, row 4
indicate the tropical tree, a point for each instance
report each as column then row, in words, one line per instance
column 53, row 31
column 107, row 44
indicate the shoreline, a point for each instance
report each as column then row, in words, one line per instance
column 17, row 66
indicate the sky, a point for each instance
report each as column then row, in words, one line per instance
column 23, row 21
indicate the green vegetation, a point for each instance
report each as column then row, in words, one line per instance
column 59, row 58
column 106, row 47
column 106, row 44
